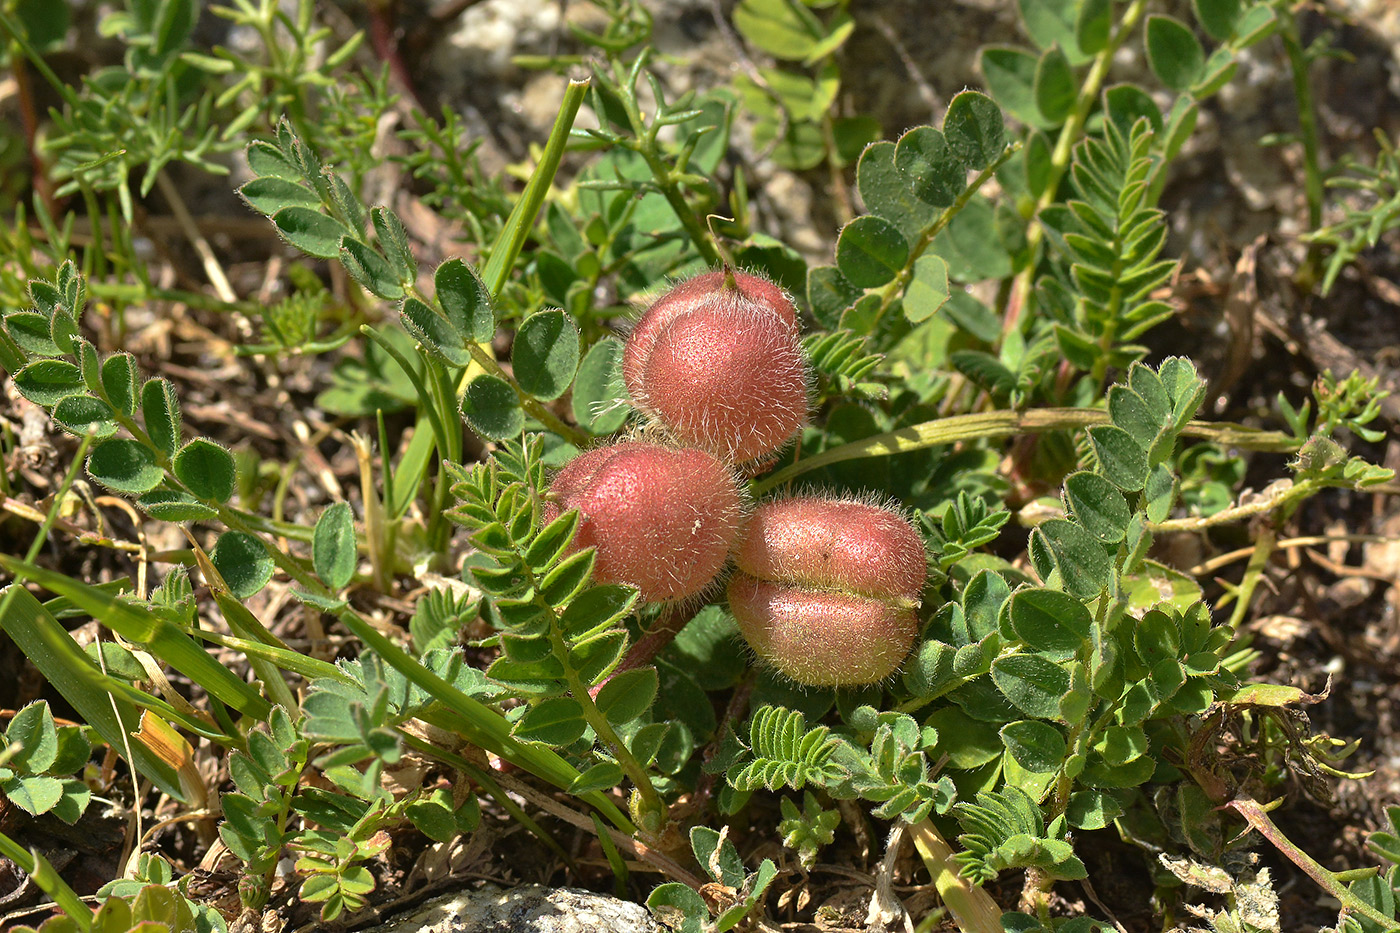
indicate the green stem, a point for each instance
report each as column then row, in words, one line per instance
column 1264, row 547
column 901, row 281
column 1307, row 129
column 972, row 908
column 1258, row 819
column 1070, row 134
column 662, row 174
column 595, row 717
column 994, row 424
column 522, row 217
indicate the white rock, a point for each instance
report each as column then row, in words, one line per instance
column 529, row 908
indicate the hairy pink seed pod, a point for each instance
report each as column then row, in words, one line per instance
column 826, row 589
column 662, row 519
column 720, row 365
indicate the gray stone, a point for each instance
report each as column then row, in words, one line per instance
column 529, row 908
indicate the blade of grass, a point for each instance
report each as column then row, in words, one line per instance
column 283, row 657
column 37, row 867
column 72, row 673
column 162, row 638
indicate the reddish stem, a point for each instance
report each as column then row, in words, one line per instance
column 29, row 118
column 382, row 36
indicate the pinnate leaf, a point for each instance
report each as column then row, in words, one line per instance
column 1031, row 682
column 269, row 194
column 1122, row 460
column 1054, row 623
column 1036, row 746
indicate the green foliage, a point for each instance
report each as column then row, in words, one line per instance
column 682, row 908
column 794, row 103
column 1006, row 830
column 966, row 523
column 783, row 752
column 807, row 830
column 37, row 763
column 1061, row 693
column 1110, row 237
column 1374, row 212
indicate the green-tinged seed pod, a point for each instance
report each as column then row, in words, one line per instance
column 826, row 589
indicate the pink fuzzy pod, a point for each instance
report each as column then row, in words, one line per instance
column 661, row 519
column 826, row 589
column 721, row 365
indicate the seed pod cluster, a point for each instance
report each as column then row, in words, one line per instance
column 825, row 589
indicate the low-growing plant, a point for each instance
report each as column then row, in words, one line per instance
column 538, row 558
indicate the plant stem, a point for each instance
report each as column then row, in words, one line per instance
column 972, row 908
column 522, row 217
column 995, row 424
column 897, row 286
column 1285, row 495
column 662, row 174
column 1264, row 547
column 1258, row 819
column 1307, row 129
column 1070, row 133
column 212, row 269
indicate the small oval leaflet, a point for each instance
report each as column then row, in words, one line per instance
column 44, row 382
column 83, row 414
column 242, row 560
column 333, row 546
column 492, row 408
column 545, row 354
column 206, row 469
column 124, row 465
column 929, row 167
column 870, row 252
